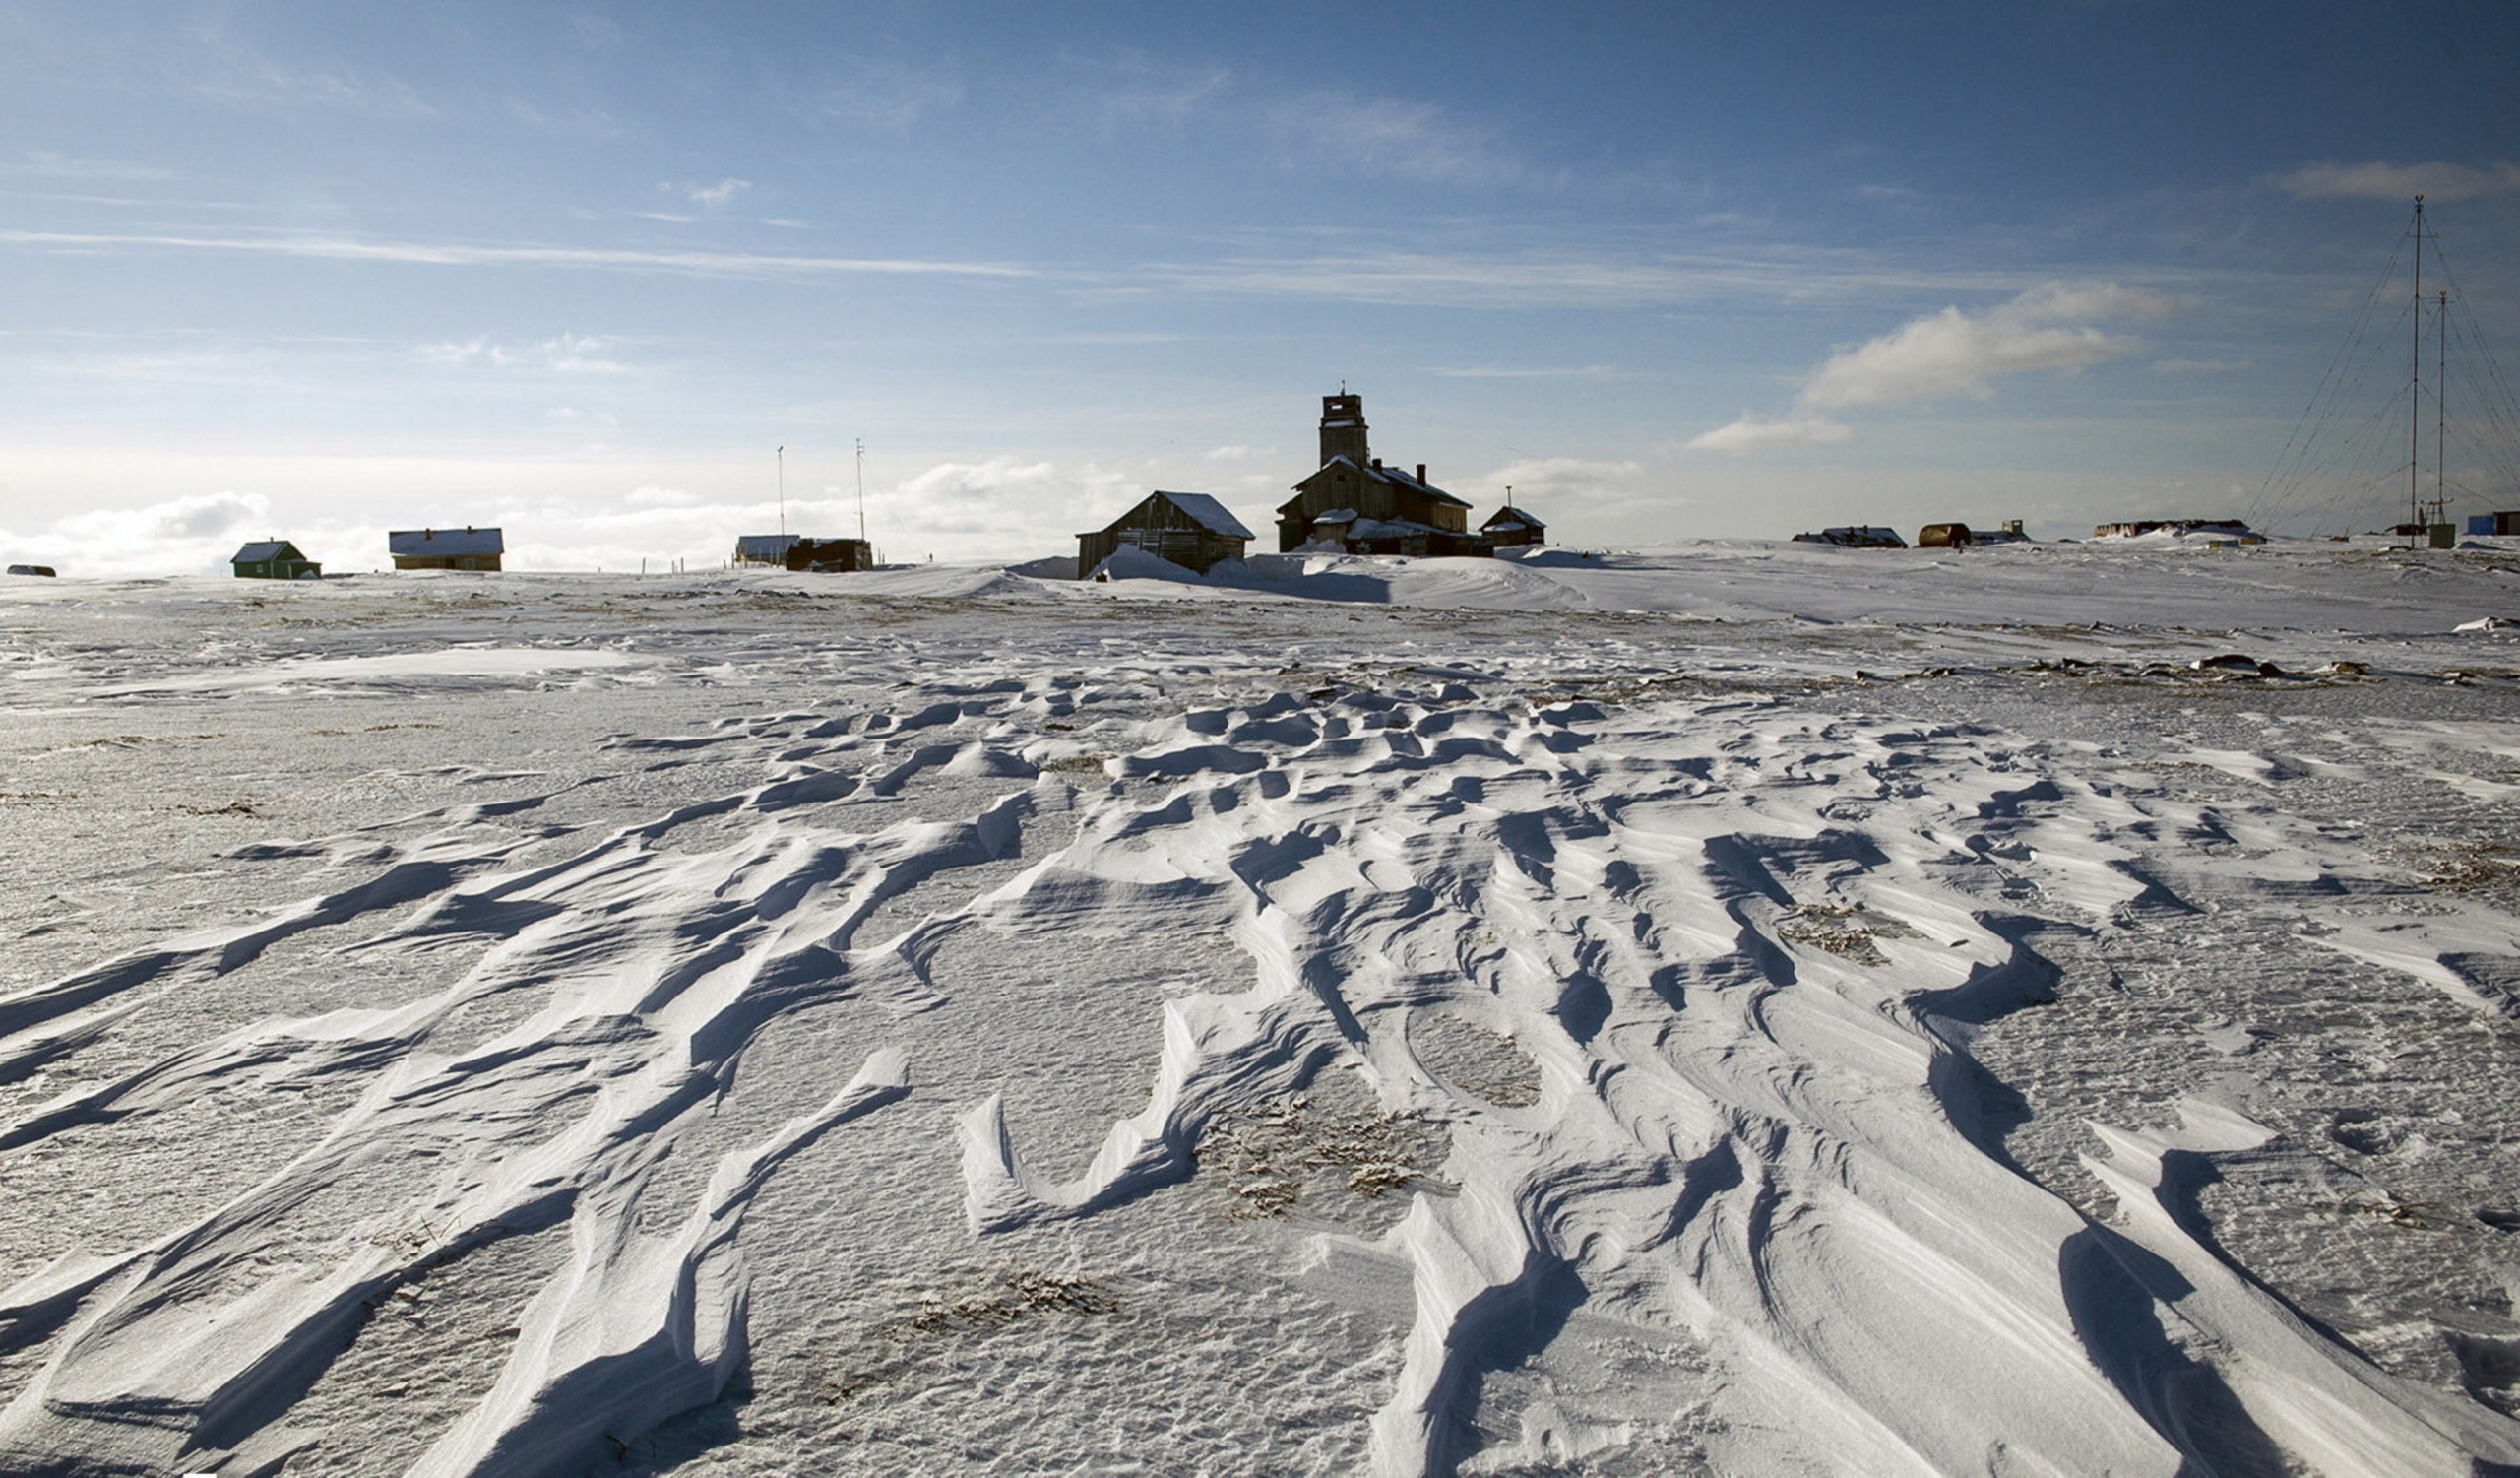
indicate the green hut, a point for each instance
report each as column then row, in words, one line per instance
column 274, row 559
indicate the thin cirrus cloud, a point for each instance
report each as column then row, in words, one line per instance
column 1570, row 277
column 2050, row 328
column 1393, row 136
column 1574, row 372
column 683, row 263
column 2385, row 181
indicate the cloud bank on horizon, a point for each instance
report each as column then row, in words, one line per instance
column 335, row 275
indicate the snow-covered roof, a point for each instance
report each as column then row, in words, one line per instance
column 403, row 543
column 1207, row 513
column 1390, row 527
column 1390, row 475
column 262, row 550
column 1511, row 517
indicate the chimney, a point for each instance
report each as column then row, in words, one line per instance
column 1421, row 472
column 1377, row 464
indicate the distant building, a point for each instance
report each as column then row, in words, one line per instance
column 763, row 548
column 2220, row 528
column 273, row 559
column 1190, row 529
column 44, row 570
column 1364, row 507
column 2494, row 523
column 1944, row 537
column 830, row 556
column 467, row 548
column 1509, row 527
column 1856, row 536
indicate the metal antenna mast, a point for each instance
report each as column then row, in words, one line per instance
column 782, row 491
column 862, row 490
column 2415, row 392
column 2442, row 411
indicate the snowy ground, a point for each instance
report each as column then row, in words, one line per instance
column 1728, row 1008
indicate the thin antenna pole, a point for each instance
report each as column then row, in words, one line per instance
column 782, row 491
column 2442, row 411
column 862, row 490
column 2415, row 393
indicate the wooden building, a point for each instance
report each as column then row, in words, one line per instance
column 1364, row 507
column 467, row 548
column 273, row 559
column 1510, row 527
column 830, row 556
column 1190, row 529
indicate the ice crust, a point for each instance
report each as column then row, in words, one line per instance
column 839, row 985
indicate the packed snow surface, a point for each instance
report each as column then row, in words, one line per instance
column 1726, row 1008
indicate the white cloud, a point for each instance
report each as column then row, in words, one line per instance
column 1956, row 352
column 714, row 196
column 661, row 497
column 1753, row 433
column 2201, row 367
column 1578, row 497
column 1949, row 352
column 569, row 354
column 194, row 533
column 1235, row 452
column 2384, row 181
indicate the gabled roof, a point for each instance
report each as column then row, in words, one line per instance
column 1509, row 515
column 1207, row 513
column 264, row 551
column 1385, row 474
column 409, row 543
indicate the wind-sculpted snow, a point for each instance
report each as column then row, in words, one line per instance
column 1693, row 996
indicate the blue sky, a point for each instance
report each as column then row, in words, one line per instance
column 1667, row 270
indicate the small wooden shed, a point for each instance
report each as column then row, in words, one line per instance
column 1190, row 529
column 273, row 559
column 830, row 556
column 1510, row 526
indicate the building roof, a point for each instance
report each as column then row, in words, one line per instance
column 264, row 551
column 1511, row 517
column 444, row 543
column 1384, row 474
column 1207, row 513
column 764, row 546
